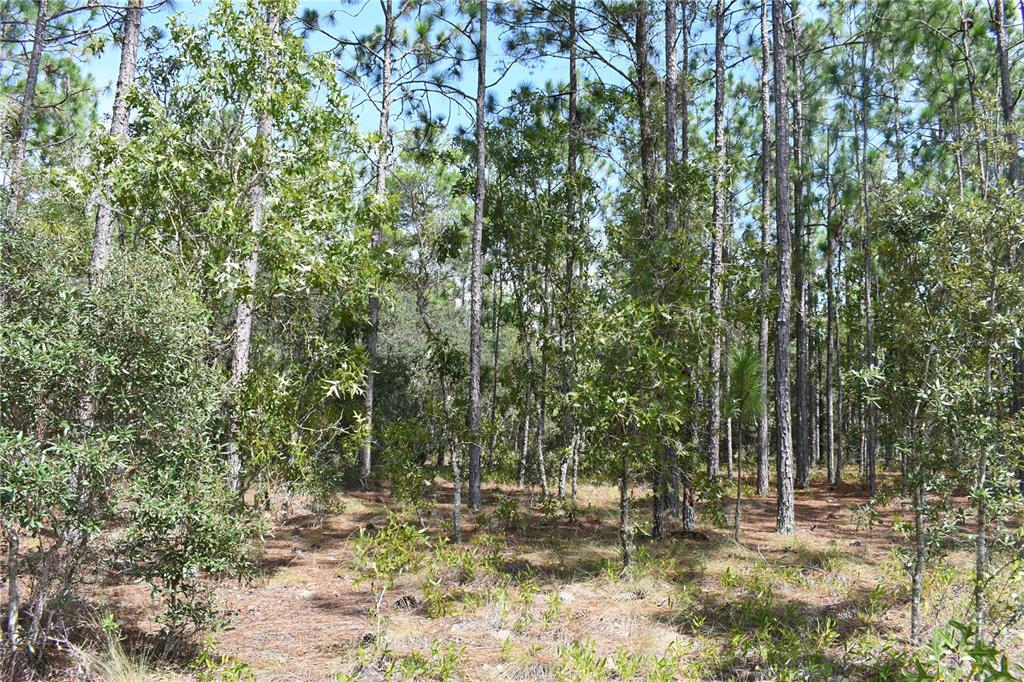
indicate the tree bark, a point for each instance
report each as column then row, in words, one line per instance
column 870, row 413
column 717, row 235
column 917, row 578
column 476, row 274
column 801, row 421
column 830, row 332
column 1006, row 103
column 244, row 307
column 103, row 234
column 643, row 100
column 785, row 518
column 566, row 335
column 671, row 88
column 28, row 100
column 496, row 300
column 684, row 98
column 13, row 597
column 762, row 338
column 625, row 532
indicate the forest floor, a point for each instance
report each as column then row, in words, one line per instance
column 532, row 595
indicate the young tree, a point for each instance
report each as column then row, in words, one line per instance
column 744, row 401
column 242, row 334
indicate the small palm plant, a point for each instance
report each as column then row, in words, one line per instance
column 743, row 404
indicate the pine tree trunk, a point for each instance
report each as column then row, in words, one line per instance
column 840, row 413
column 28, row 101
column 717, row 235
column 476, row 274
column 103, row 235
column 684, row 99
column 763, row 465
column 870, row 413
column 671, row 76
column 1006, row 100
column 801, row 440
column 496, row 295
column 566, row 334
column 785, row 517
column 830, row 333
column 670, row 459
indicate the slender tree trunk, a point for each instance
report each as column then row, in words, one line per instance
column 380, row 195
column 625, row 532
column 841, row 423
column 529, row 390
column 981, row 550
column 785, row 520
column 545, row 322
column 670, row 456
column 525, row 450
column 981, row 570
column 643, row 100
column 656, row 511
column 456, row 493
column 496, row 295
column 726, row 391
column 566, row 335
column 244, row 307
column 476, row 274
column 13, row 597
column 1007, row 103
column 684, row 98
column 739, row 481
column 717, row 235
column 976, row 108
column 801, row 417
column 671, row 88
column 763, row 465
column 870, row 414
column 814, row 393
column 917, row 578
column 542, row 476
column 830, row 334
column 28, row 102
column 689, row 498
column 1006, row 100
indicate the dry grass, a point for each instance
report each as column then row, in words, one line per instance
column 549, row 600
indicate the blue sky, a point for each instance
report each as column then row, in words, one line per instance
column 356, row 19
